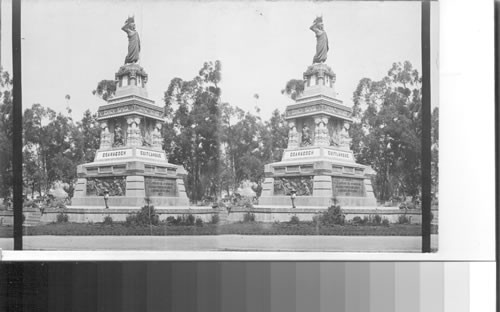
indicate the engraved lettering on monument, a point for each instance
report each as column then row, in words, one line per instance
column 347, row 187
column 160, row 186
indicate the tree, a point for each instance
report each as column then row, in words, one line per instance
column 293, row 88
column 241, row 143
column 6, row 128
column 435, row 151
column 386, row 131
column 274, row 135
column 193, row 138
column 105, row 89
column 47, row 148
column 86, row 138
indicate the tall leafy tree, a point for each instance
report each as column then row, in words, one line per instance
column 435, row 151
column 294, row 88
column 387, row 130
column 105, row 89
column 5, row 134
column 47, row 147
column 274, row 135
column 242, row 146
column 194, row 107
column 85, row 138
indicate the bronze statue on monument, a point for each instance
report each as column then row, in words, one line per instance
column 321, row 41
column 134, row 43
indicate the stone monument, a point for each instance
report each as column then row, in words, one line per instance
column 130, row 163
column 318, row 164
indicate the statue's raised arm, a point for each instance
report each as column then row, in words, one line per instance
column 321, row 41
column 134, row 43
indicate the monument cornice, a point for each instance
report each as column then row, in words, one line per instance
column 126, row 98
column 304, row 99
column 128, row 108
column 318, row 107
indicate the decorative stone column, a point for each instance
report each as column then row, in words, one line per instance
column 321, row 136
column 157, row 139
column 133, row 131
column 293, row 135
column 345, row 140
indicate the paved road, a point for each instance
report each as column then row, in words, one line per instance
column 224, row 243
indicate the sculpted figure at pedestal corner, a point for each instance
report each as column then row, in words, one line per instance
column 306, row 136
column 321, row 41
column 118, row 137
column 134, row 43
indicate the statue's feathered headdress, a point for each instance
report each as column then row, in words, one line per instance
column 319, row 19
column 129, row 20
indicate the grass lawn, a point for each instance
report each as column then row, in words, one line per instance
column 252, row 228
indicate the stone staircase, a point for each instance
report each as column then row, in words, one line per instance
column 435, row 218
column 223, row 216
column 32, row 217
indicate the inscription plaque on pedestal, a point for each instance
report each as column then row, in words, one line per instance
column 160, row 186
column 347, row 187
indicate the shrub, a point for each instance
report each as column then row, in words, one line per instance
column 360, row 221
column 315, row 218
column 131, row 219
column 189, row 220
column 146, row 216
column 332, row 216
column 294, row 220
column 385, row 222
column 62, row 217
column 155, row 219
column 356, row 220
column 377, row 220
column 171, row 220
column 248, row 217
column 403, row 219
column 244, row 202
column 199, row 222
column 108, row 220
column 215, row 219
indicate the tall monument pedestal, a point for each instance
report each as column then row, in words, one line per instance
column 318, row 164
column 130, row 164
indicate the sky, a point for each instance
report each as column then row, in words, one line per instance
column 69, row 46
